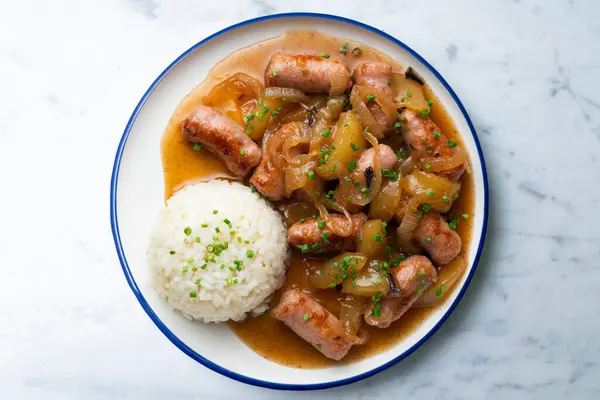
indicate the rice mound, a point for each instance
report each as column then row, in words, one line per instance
column 218, row 251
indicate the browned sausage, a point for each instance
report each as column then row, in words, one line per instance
column 377, row 75
column 420, row 134
column 374, row 74
column 308, row 237
column 306, row 72
column 364, row 167
column 412, row 277
column 269, row 177
column 435, row 236
column 223, row 137
column 313, row 323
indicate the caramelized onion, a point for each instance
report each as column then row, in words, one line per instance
column 366, row 118
column 352, row 309
column 290, row 94
column 442, row 164
column 339, row 82
column 293, row 147
column 435, row 295
column 337, row 228
column 297, row 177
column 407, row 166
column 408, row 225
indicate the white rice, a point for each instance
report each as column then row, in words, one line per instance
column 223, row 292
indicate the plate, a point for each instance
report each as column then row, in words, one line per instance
column 137, row 197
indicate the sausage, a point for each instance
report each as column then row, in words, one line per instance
column 306, row 72
column 308, row 237
column 435, row 237
column 420, row 134
column 387, row 159
column 412, row 277
column 269, row 177
column 313, row 323
column 223, row 137
column 376, row 74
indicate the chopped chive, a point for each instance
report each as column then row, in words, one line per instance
column 306, row 317
column 436, row 134
column 215, row 211
column 193, row 294
column 427, row 166
column 465, row 216
column 249, row 253
column 321, row 224
column 430, row 193
column 377, row 238
column 197, row 147
column 275, row 73
column 325, row 55
column 397, row 125
column 311, row 174
column 428, row 239
column 426, row 207
column 429, row 103
column 326, row 133
column 187, row 231
column 242, row 152
column 172, row 252
column 389, row 82
column 451, row 143
column 370, row 98
column 351, row 165
column 408, row 94
column 354, row 147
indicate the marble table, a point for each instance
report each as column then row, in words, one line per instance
column 527, row 71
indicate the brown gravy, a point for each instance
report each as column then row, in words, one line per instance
column 181, row 164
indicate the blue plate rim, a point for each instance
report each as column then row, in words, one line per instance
column 172, row 337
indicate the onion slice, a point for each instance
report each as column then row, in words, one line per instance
column 290, row 94
column 337, row 228
column 431, row 299
column 338, row 83
column 441, row 164
column 408, row 225
column 366, row 118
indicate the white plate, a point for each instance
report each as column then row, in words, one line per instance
column 137, row 197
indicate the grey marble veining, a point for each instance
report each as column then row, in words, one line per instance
column 527, row 71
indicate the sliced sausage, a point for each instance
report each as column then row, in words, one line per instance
column 412, row 277
column 309, row 237
column 223, row 137
column 306, row 72
column 424, row 136
column 387, row 159
column 435, row 237
column 313, row 323
column 269, row 177
column 378, row 75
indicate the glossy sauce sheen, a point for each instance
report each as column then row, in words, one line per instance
column 181, row 164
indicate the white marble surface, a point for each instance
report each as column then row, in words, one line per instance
column 72, row 72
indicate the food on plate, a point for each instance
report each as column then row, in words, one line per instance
column 217, row 252
column 362, row 178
